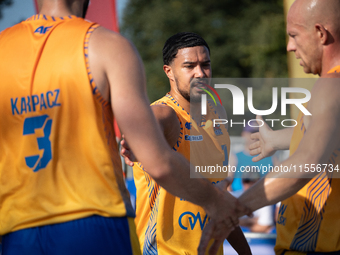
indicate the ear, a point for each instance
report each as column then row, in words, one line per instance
column 322, row 33
column 168, row 71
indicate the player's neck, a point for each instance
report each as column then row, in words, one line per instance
column 185, row 104
column 60, row 9
column 194, row 109
column 330, row 59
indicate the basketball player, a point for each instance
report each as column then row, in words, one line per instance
column 163, row 220
column 308, row 220
column 62, row 190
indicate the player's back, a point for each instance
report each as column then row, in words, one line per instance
column 59, row 158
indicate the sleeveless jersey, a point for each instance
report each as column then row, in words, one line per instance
column 309, row 220
column 58, row 155
column 167, row 224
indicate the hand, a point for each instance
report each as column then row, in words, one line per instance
column 262, row 146
column 224, row 186
column 126, row 153
column 223, row 219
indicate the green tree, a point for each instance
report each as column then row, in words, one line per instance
column 246, row 37
column 4, row 3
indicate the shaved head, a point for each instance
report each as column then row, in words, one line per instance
column 310, row 12
column 313, row 27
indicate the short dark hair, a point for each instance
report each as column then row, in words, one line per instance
column 180, row 41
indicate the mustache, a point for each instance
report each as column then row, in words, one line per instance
column 198, row 82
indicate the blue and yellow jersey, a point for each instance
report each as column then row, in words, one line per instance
column 167, row 224
column 309, row 220
column 59, row 159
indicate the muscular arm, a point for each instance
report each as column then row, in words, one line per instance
column 316, row 147
column 282, row 138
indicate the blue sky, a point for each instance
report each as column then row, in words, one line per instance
column 22, row 9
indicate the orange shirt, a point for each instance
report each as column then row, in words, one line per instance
column 59, row 159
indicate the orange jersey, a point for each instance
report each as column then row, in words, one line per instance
column 309, row 220
column 167, row 224
column 59, row 159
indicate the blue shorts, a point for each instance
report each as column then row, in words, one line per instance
column 94, row 235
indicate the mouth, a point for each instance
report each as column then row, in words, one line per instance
column 198, row 84
column 199, row 89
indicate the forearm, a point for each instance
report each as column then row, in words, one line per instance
column 238, row 241
column 175, row 178
column 281, row 138
column 275, row 187
column 288, row 178
column 269, row 191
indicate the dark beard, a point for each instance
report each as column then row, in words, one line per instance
column 184, row 94
column 187, row 95
column 85, row 7
column 190, row 98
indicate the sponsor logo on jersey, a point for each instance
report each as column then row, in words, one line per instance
column 42, row 30
column 280, row 219
column 193, row 220
column 193, row 138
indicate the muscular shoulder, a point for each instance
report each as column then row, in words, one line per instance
column 168, row 120
column 324, row 104
column 163, row 112
column 106, row 46
column 326, row 92
column 113, row 60
column 106, row 38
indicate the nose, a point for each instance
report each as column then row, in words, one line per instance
column 291, row 45
column 200, row 72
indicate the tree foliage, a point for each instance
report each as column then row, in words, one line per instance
column 246, row 37
column 4, row 3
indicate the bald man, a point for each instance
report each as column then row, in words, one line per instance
column 309, row 216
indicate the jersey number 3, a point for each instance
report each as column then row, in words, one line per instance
column 37, row 162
